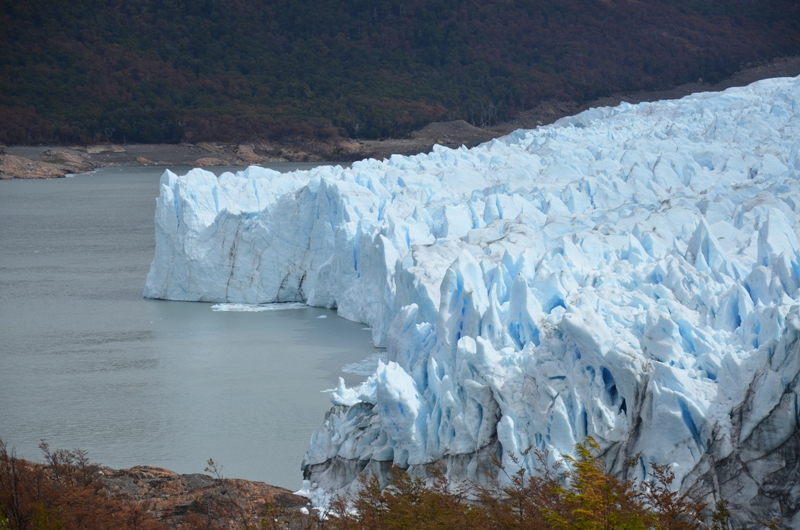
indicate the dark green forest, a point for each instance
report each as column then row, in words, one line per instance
column 81, row 71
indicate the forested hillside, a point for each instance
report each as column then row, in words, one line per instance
column 77, row 71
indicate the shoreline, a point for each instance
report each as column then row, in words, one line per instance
column 58, row 161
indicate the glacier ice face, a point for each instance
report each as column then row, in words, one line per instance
column 629, row 273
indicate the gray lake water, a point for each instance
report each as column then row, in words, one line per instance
column 86, row 362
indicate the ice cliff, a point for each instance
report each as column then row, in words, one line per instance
column 630, row 273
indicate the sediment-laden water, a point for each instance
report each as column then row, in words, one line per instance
column 86, row 362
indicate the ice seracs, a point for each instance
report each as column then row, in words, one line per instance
column 629, row 273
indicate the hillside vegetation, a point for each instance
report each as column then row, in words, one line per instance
column 79, row 71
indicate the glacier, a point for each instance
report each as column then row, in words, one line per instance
column 629, row 273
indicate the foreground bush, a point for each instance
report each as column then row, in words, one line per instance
column 65, row 493
column 62, row 494
column 574, row 494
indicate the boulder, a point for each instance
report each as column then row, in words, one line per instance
column 247, row 155
column 69, row 161
column 209, row 161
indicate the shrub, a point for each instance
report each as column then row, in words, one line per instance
column 62, row 494
column 576, row 493
column 65, row 493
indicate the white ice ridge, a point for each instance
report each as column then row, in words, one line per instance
column 622, row 274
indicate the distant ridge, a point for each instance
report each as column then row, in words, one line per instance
column 165, row 72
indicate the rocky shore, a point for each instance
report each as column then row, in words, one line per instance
column 48, row 163
column 29, row 162
column 51, row 162
column 175, row 499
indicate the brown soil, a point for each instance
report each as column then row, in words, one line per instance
column 47, row 162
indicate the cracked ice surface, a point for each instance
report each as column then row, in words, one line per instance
column 622, row 274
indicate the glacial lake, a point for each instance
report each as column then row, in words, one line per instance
column 86, row 362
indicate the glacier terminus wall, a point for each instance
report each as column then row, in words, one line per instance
column 630, row 273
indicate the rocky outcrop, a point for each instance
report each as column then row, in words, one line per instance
column 174, row 499
column 70, row 161
column 454, row 134
column 247, row 155
column 209, row 161
column 55, row 163
column 17, row 167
